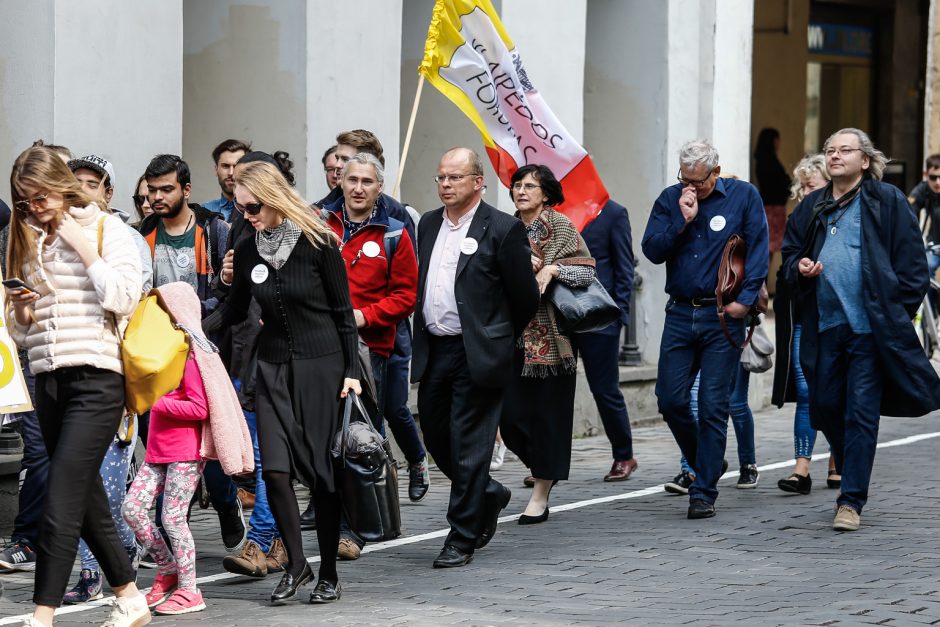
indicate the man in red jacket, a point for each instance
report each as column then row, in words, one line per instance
column 383, row 276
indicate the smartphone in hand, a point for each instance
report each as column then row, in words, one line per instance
column 17, row 284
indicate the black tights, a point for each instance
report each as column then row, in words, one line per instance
column 283, row 504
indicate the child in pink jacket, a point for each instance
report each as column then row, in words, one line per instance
column 173, row 466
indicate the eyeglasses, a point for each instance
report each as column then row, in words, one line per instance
column 693, row 183
column 933, row 177
column 453, row 178
column 38, row 202
column 528, row 187
column 333, row 171
column 844, row 150
column 251, row 209
column 139, row 199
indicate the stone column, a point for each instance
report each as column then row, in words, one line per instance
column 101, row 76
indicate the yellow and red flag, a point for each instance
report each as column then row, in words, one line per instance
column 470, row 58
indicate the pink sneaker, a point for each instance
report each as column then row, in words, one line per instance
column 182, row 602
column 163, row 587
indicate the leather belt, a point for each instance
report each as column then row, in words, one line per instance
column 697, row 301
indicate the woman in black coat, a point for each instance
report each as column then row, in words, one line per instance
column 307, row 360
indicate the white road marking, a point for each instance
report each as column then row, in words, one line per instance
column 391, row 544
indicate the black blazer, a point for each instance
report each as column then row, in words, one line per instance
column 495, row 290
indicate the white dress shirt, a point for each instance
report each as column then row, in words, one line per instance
column 440, row 302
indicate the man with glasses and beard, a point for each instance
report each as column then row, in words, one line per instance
column 688, row 228
column 188, row 244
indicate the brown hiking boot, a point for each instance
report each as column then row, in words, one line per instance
column 276, row 558
column 250, row 561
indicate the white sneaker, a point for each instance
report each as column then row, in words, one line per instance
column 31, row 622
column 128, row 612
column 499, row 455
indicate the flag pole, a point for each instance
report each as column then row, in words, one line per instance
column 411, row 126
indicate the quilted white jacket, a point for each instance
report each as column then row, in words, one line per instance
column 73, row 326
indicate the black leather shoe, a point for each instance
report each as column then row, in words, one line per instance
column 326, row 592
column 797, row 484
column 534, row 520
column 287, row 588
column 452, row 557
column 701, row 509
column 308, row 520
column 491, row 517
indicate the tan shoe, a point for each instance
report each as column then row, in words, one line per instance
column 276, row 558
column 847, row 519
column 348, row 550
column 250, row 561
column 247, row 498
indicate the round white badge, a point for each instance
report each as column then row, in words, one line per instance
column 371, row 249
column 717, row 223
column 259, row 274
column 182, row 259
column 468, row 246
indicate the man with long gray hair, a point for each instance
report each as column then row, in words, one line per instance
column 688, row 228
column 855, row 258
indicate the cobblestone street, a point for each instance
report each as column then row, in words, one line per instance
column 625, row 553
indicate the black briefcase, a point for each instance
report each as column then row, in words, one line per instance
column 366, row 476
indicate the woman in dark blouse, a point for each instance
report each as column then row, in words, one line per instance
column 307, row 359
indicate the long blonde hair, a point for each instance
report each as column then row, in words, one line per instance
column 40, row 167
column 269, row 186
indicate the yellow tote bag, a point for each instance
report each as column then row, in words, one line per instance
column 154, row 355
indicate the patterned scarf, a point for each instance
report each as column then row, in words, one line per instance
column 555, row 241
column 275, row 245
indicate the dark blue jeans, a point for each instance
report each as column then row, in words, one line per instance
column 692, row 341
column 35, row 465
column 848, row 400
column 741, row 417
column 397, row 415
column 599, row 355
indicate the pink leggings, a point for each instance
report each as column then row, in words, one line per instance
column 178, row 482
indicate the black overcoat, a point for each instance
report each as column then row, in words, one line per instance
column 895, row 280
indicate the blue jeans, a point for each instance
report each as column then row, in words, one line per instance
column 849, row 404
column 114, row 469
column 693, row 340
column 399, row 417
column 263, row 529
column 35, row 469
column 933, row 262
column 741, row 417
column 804, row 436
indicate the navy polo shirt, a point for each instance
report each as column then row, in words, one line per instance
column 692, row 254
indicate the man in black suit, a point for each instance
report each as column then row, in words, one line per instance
column 609, row 239
column 476, row 292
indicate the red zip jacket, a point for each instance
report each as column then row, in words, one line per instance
column 385, row 293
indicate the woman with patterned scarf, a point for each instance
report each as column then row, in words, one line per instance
column 538, row 408
column 307, row 359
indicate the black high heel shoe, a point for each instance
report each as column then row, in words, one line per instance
column 287, row 588
column 797, row 484
column 534, row 520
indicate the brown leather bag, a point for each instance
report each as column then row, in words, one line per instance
column 730, row 281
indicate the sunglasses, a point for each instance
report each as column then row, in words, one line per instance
column 251, row 209
column 139, row 199
column 38, row 202
column 934, row 177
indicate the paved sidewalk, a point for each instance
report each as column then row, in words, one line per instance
column 766, row 557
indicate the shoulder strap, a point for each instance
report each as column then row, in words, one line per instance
column 391, row 238
column 100, row 235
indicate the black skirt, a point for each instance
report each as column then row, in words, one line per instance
column 297, row 404
column 537, row 420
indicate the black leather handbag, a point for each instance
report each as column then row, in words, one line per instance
column 366, row 476
column 582, row 309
